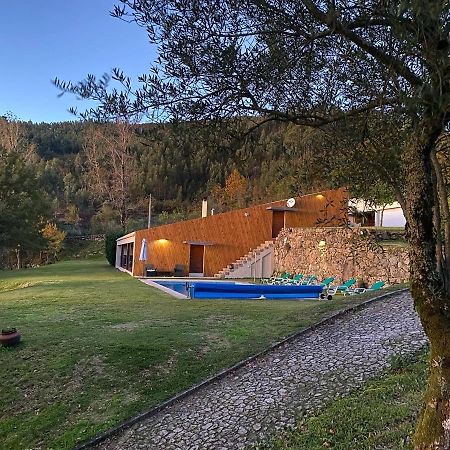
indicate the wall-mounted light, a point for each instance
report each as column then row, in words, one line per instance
column 246, row 214
column 162, row 241
column 286, row 244
column 320, row 197
column 322, row 246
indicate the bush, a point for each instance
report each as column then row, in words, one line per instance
column 110, row 247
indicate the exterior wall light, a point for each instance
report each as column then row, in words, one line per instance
column 286, row 244
column 162, row 241
column 322, row 247
column 320, row 197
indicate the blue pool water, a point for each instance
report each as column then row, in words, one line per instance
column 178, row 286
column 233, row 290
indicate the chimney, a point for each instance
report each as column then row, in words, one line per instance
column 204, row 207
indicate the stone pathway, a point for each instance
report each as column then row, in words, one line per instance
column 267, row 394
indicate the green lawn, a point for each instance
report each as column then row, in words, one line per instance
column 381, row 415
column 99, row 346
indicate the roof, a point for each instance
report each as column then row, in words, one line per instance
column 126, row 236
column 363, row 206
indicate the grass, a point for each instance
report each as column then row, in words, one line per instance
column 99, row 346
column 380, row 415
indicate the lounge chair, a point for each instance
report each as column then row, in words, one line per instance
column 307, row 281
column 333, row 290
column 178, row 270
column 327, row 281
column 296, row 280
column 375, row 287
column 150, row 271
column 274, row 280
column 282, row 279
column 267, row 280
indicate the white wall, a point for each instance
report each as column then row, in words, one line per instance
column 130, row 237
column 393, row 214
column 391, row 218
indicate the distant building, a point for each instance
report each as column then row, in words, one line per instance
column 369, row 215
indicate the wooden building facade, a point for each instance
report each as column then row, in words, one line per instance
column 204, row 246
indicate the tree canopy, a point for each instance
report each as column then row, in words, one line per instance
column 23, row 206
column 311, row 62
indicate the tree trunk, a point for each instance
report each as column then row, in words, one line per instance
column 19, row 260
column 382, row 215
column 433, row 426
column 427, row 288
column 443, row 206
column 123, row 190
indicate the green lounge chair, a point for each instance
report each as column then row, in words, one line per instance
column 283, row 279
column 327, row 281
column 333, row 290
column 310, row 279
column 269, row 279
column 265, row 280
column 296, row 280
column 273, row 280
column 375, row 287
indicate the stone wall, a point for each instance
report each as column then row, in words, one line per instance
column 85, row 237
column 340, row 252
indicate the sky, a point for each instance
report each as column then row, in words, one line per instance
column 68, row 39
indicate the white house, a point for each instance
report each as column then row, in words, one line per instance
column 391, row 216
column 361, row 211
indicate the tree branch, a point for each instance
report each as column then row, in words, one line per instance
column 329, row 19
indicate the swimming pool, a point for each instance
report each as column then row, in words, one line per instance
column 234, row 290
column 182, row 287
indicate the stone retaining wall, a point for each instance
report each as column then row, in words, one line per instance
column 340, row 252
column 85, row 237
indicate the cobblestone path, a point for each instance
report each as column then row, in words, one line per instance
column 265, row 395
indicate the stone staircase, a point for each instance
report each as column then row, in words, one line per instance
column 257, row 263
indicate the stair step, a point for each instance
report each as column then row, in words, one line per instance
column 247, row 260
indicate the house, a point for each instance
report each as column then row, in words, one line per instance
column 237, row 243
column 370, row 215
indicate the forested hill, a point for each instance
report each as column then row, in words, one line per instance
column 100, row 176
column 55, row 139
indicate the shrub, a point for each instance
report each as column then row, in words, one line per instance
column 110, row 247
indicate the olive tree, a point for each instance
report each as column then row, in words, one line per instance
column 317, row 62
